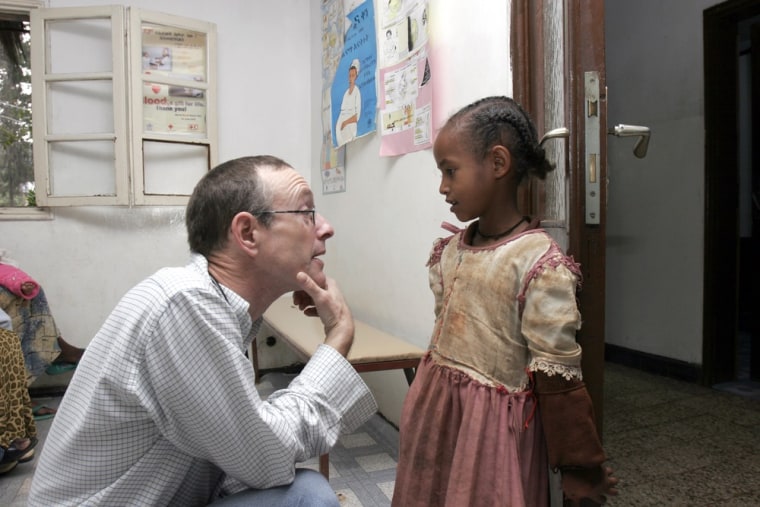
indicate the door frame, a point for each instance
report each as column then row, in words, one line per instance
column 584, row 51
column 721, row 241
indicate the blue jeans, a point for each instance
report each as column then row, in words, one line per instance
column 309, row 489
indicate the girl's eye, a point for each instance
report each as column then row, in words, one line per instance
column 449, row 171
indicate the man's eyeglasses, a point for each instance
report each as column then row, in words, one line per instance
column 311, row 212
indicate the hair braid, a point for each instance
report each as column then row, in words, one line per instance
column 495, row 121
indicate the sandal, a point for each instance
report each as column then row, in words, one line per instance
column 60, row 368
column 41, row 412
column 12, row 454
column 7, row 467
column 29, row 456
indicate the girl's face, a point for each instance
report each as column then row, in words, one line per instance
column 466, row 182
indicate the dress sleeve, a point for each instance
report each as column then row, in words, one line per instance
column 550, row 317
column 206, row 402
column 435, row 275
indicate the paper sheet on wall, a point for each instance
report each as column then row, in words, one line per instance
column 333, row 167
column 354, row 90
column 180, row 54
column 406, row 80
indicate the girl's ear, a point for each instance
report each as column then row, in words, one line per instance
column 502, row 160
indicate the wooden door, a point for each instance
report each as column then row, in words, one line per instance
column 557, row 52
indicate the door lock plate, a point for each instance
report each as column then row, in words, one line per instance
column 592, row 158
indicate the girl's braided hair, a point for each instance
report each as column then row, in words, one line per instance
column 501, row 121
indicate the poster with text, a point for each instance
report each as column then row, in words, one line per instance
column 353, row 92
column 332, row 159
column 173, row 109
column 179, row 54
column 406, row 106
column 405, row 78
column 172, row 51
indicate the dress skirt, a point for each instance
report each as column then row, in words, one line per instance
column 466, row 444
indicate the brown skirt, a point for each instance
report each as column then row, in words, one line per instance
column 462, row 443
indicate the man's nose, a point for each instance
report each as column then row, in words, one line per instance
column 324, row 228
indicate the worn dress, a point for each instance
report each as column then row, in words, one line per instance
column 469, row 430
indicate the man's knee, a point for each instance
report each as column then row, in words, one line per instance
column 309, row 489
column 314, row 489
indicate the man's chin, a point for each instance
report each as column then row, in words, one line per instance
column 316, row 272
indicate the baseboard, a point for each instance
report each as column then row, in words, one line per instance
column 652, row 363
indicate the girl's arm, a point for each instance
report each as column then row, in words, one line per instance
column 572, row 441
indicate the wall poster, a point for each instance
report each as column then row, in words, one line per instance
column 353, row 94
column 332, row 163
column 179, row 54
column 406, row 81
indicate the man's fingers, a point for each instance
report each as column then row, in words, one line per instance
column 307, row 284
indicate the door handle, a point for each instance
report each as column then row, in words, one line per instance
column 561, row 132
column 642, row 144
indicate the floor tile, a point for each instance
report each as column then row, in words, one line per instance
column 671, row 443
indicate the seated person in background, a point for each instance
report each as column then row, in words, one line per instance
column 163, row 408
column 18, row 433
column 23, row 299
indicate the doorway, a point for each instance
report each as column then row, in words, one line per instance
column 731, row 344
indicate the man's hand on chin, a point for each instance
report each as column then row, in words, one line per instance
column 328, row 304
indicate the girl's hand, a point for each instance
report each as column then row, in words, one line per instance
column 595, row 484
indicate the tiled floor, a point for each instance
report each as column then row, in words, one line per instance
column 671, row 443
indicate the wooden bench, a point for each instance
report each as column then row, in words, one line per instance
column 373, row 350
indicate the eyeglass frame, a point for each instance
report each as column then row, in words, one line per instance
column 313, row 212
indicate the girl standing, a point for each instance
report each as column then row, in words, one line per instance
column 498, row 399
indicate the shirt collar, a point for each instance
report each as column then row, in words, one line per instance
column 237, row 303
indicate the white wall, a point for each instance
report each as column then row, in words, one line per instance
column 655, row 230
column 86, row 258
column 391, row 211
column 269, row 102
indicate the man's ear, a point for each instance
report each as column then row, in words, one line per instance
column 244, row 231
column 502, row 161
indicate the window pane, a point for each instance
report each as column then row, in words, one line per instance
column 93, row 36
column 80, row 107
column 174, row 110
column 82, row 168
column 16, row 166
column 172, row 51
column 173, row 168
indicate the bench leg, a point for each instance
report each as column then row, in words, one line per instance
column 324, row 465
column 255, row 360
column 410, row 372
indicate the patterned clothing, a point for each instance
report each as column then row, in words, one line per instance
column 469, row 431
column 16, row 419
column 33, row 322
column 12, row 278
column 163, row 407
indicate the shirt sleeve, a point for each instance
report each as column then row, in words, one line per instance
column 204, row 399
column 550, row 320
